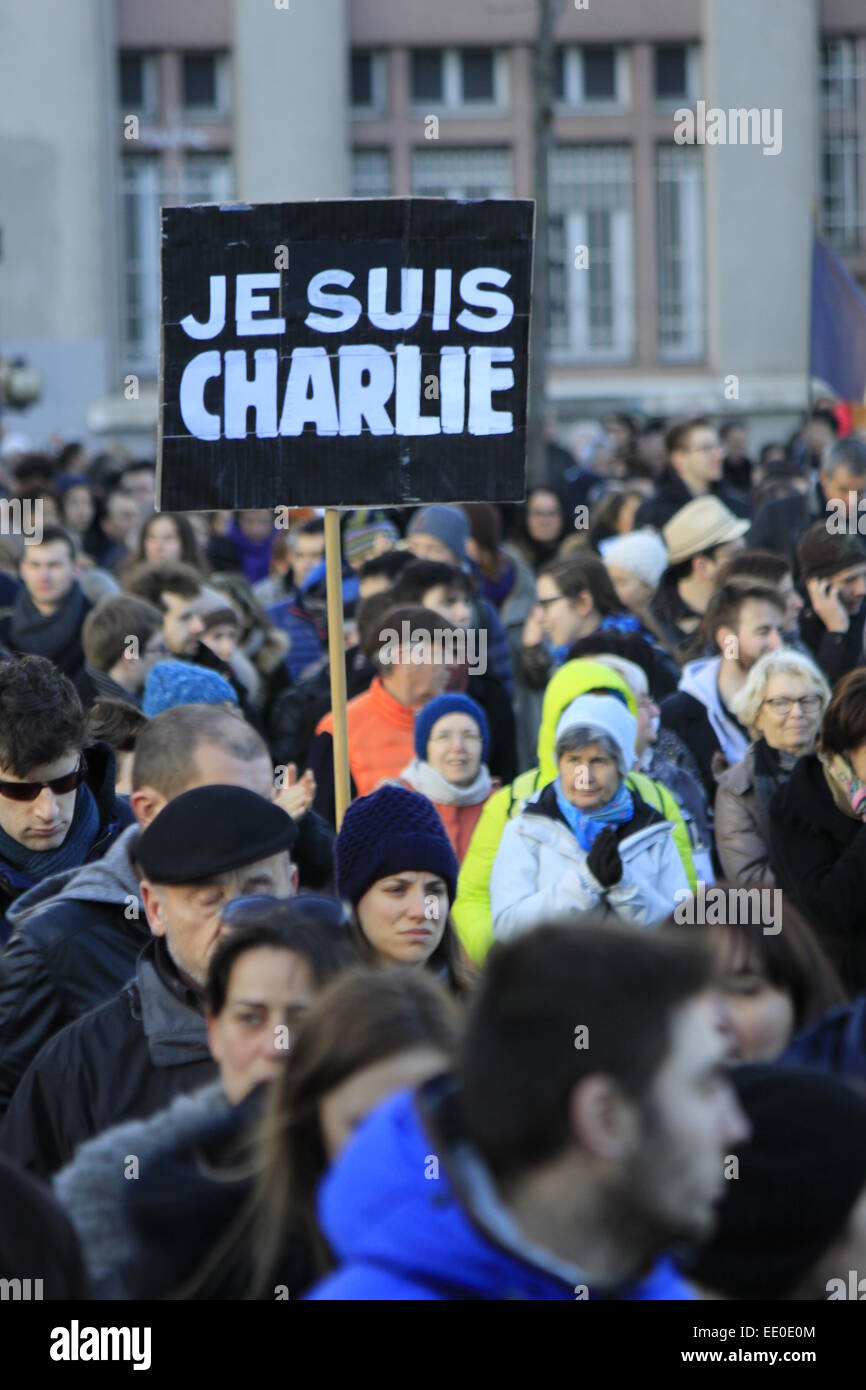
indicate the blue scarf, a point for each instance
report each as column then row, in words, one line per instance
column 38, row 864
column 617, row 811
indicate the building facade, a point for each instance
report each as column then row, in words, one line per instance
column 679, row 272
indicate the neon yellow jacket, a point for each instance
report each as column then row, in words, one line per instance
column 471, row 910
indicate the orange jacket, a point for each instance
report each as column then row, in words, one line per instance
column 381, row 736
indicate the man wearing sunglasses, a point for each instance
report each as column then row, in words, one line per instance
column 77, row 935
column 58, row 808
column 133, row 1055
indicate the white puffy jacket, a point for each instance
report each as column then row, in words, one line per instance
column 540, row 872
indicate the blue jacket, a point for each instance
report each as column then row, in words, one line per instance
column 392, row 1213
column 306, row 638
column 836, row 1044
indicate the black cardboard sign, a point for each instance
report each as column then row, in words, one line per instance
column 349, row 353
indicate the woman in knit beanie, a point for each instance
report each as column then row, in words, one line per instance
column 394, row 864
column 452, row 743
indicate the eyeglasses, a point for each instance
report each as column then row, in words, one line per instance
column 28, row 791
column 782, row 706
column 256, row 909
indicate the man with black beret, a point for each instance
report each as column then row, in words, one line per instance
column 130, row 1057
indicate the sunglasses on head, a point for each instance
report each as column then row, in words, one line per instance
column 28, row 791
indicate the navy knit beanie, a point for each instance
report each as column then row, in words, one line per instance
column 389, row 831
column 437, row 708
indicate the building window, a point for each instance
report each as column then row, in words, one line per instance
column 599, row 74
column 141, row 196
column 477, row 77
column 371, row 173
column 205, row 85
column 592, row 252
column 459, row 80
column 368, row 84
column 681, row 293
column 677, row 76
column 139, row 85
column 427, row 74
column 595, row 76
column 455, row 172
column 146, row 186
column 841, row 96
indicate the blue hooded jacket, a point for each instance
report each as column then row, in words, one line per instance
column 393, row 1217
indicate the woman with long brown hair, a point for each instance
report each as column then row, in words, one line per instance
column 394, row 863
column 249, row 1227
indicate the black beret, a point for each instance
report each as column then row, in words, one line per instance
column 211, row 830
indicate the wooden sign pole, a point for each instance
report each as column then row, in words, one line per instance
column 337, row 658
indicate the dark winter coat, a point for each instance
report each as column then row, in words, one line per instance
column 836, row 653
column 37, row 1241
column 780, row 524
column 75, row 940
column 819, row 857
column 671, row 494
column 114, row 815
column 123, row 1061
column 296, row 712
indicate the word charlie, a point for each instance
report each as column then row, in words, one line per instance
column 377, row 389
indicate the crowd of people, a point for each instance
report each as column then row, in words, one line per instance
column 572, row 1001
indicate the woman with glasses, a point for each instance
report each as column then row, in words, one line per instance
column 781, row 705
column 452, row 743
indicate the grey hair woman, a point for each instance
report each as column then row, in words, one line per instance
column 781, row 704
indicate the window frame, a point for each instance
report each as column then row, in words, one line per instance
column 222, row 108
column 150, row 85
column 452, row 103
column 574, row 89
column 378, row 105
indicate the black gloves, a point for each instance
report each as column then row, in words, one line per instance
column 603, row 859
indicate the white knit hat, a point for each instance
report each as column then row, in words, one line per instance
column 640, row 552
column 606, row 714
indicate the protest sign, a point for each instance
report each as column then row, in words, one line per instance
column 349, row 353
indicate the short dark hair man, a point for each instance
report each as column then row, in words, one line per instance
column 131, row 1056
column 47, row 614
column 582, row 1136
column 743, row 621
column 57, row 803
column 833, row 575
column 694, row 469
column 448, row 590
column 381, row 720
column 76, row 938
column 122, row 638
column 175, row 591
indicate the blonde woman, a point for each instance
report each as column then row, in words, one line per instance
column 781, row 705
